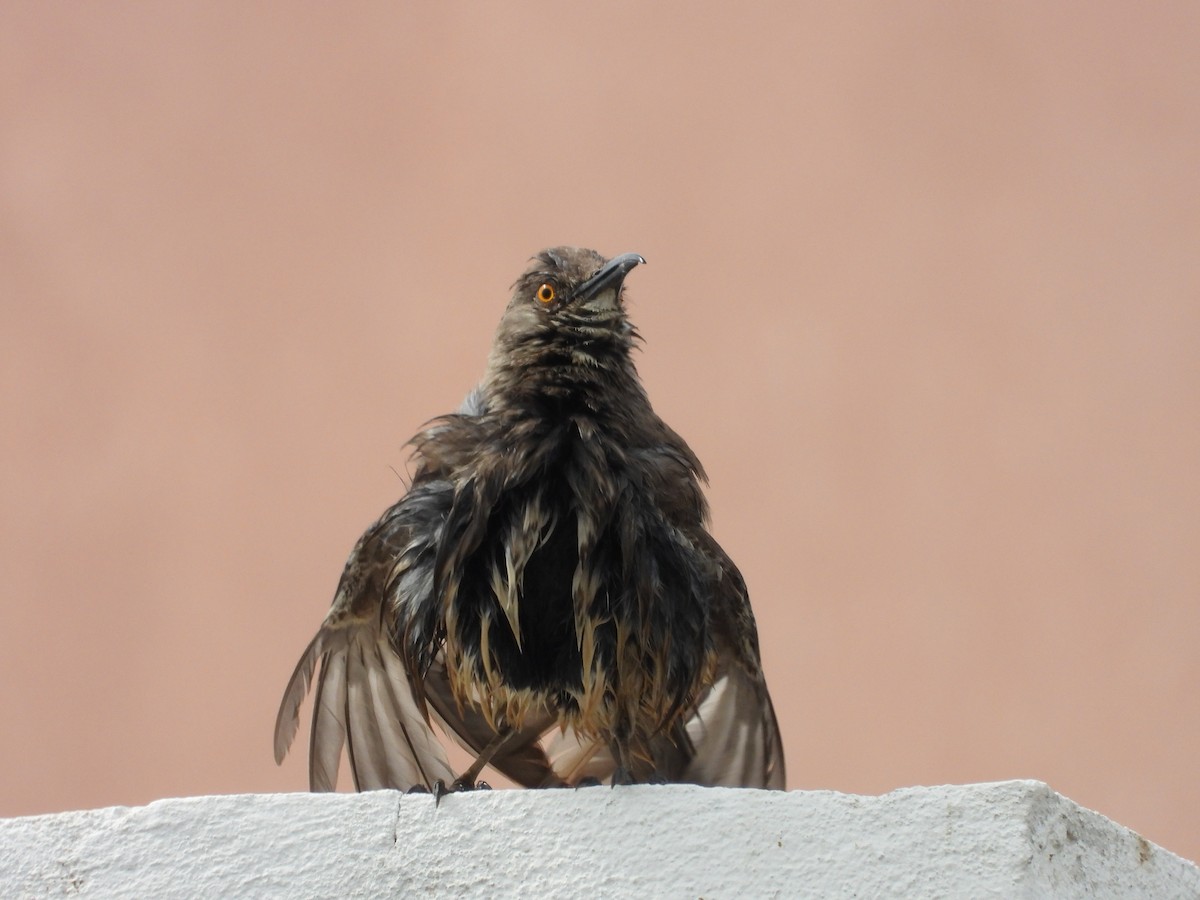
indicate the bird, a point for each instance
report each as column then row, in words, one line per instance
column 547, row 593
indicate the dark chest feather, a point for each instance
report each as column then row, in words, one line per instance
column 547, row 658
column 639, row 592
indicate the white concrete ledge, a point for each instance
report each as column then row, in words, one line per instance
column 1010, row 839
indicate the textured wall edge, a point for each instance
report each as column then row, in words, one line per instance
column 1007, row 839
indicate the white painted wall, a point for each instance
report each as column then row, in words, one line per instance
column 1015, row 839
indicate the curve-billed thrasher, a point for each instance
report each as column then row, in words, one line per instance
column 547, row 590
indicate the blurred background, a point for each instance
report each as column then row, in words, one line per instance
column 923, row 293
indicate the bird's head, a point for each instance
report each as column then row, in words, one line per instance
column 566, row 316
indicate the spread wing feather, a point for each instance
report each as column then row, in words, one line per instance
column 363, row 702
column 735, row 736
column 733, row 731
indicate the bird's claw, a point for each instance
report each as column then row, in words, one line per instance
column 439, row 791
column 587, row 781
column 457, row 786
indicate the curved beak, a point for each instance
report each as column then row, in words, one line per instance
column 609, row 278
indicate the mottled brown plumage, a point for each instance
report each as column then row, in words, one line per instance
column 547, row 591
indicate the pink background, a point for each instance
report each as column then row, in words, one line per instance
column 923, row 293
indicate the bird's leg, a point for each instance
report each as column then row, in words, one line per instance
column 466, row 781
column 622, row 775
column 621, row 751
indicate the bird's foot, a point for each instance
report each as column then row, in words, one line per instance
column 457, row 786
column 464, row 784
column 587, row 781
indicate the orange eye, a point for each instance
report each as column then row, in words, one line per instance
column 546, row 293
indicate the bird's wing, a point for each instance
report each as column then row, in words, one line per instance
column 364, row 698
column 363, row 702
column 729, row 736
column 734, row 735
column 733, row 731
